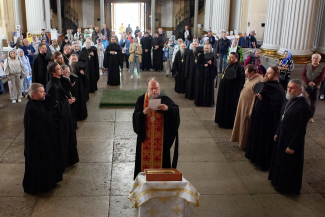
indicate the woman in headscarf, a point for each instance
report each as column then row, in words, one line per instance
column 28, row 71
column 286, row 66
column 15, row 71
column 255, row 60
column 86, row 33
column 237, row 49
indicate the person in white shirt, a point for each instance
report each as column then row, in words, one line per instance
column 177, row 47
column 100, row 52
column 54, row 47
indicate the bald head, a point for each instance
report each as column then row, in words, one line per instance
column 153, row 88
column 183, row 46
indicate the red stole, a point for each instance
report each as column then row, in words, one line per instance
column 152, row 147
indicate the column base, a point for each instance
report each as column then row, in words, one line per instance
column 269, row 52
column 297, row 59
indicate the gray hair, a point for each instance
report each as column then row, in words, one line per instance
column 66, row 46
column 33, row 88
column 152, row 78
column 298, row 82
column 316, row 54
column 64, row 67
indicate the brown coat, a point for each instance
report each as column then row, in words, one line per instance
column 131, row 51
column 245, row 107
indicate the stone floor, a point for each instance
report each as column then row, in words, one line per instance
column 99, row 185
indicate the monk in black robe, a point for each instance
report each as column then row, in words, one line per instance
column 92, row 66
column 39, row 73
column 206, row 74
column 191, row 71
column 113, row 60
column 79, row 87
column 230, row 86
column 157, row 53
column 288, row 157
column 166, row 121
column 178, row 70
column 42, row 164
column 65, row 129
column 66, row 53
column 146, row 54
column 265, row 118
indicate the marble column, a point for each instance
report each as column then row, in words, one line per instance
column 153, row 16
column 87, row 13
column 58, row 6
column 207, row 15
column 298, row 30
column 273, row 25
column 319, row 42
column 196, row 12
column 220, row 15
column 17, row 13
column 102, row 13
column 38, row 15
column 235, row 15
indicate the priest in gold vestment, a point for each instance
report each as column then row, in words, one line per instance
column 156, row 129
column 245, row 106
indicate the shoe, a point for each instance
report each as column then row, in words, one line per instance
column 151, row 70
column 138, row 76
column 13, row 101
column 321, row 97
column 129, row 70
column 311, row 120
column 131, row 77
column 19, row 100
column 23, row 94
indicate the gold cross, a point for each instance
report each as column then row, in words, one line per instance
column 182, row 60
column 152, row 211
column 177, row 210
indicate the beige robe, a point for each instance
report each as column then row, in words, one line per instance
column 245, row 107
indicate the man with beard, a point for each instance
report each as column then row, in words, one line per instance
column 206, row 73
column 79, row 87
column 191, row 71
column 113, row 60
column 288, row 156
column 39, row 72
column 92, row 65
column 66, row 53
column 42, row 164
column 146, row 54
column 157, row 53
column 76, row 48
column 265, row 118
column 179, row 69
column 156, row 129
column 230, row 86
column 58, row 58
column 65, row 129
column 245, row 106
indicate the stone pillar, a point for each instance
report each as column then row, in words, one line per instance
column 87, row 13
column 319, row 42
column 220, row 15
column 58, row 6
column 153, row 16
column 18, row 13
column 102, row 13
column 207, row 15
column 298, row 30
column 273, row 26
column 196, row 12
column 108, row 15
column 38, row 15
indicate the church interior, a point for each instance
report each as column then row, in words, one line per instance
column 228, row 183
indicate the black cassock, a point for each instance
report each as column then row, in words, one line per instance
column 66, row 58
column 92, row 68
column 113, row 62
column 178, row 71
column 78, row 91
column 146, row 56
column 66, row 84
column 65, row 129
column 42, row 159
column 286, row 169
column 157, row 54
column 39, row 72
column 230, row 86
column 264, row 122
column 171, row 124
column 190, row 74
column 204, row 93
